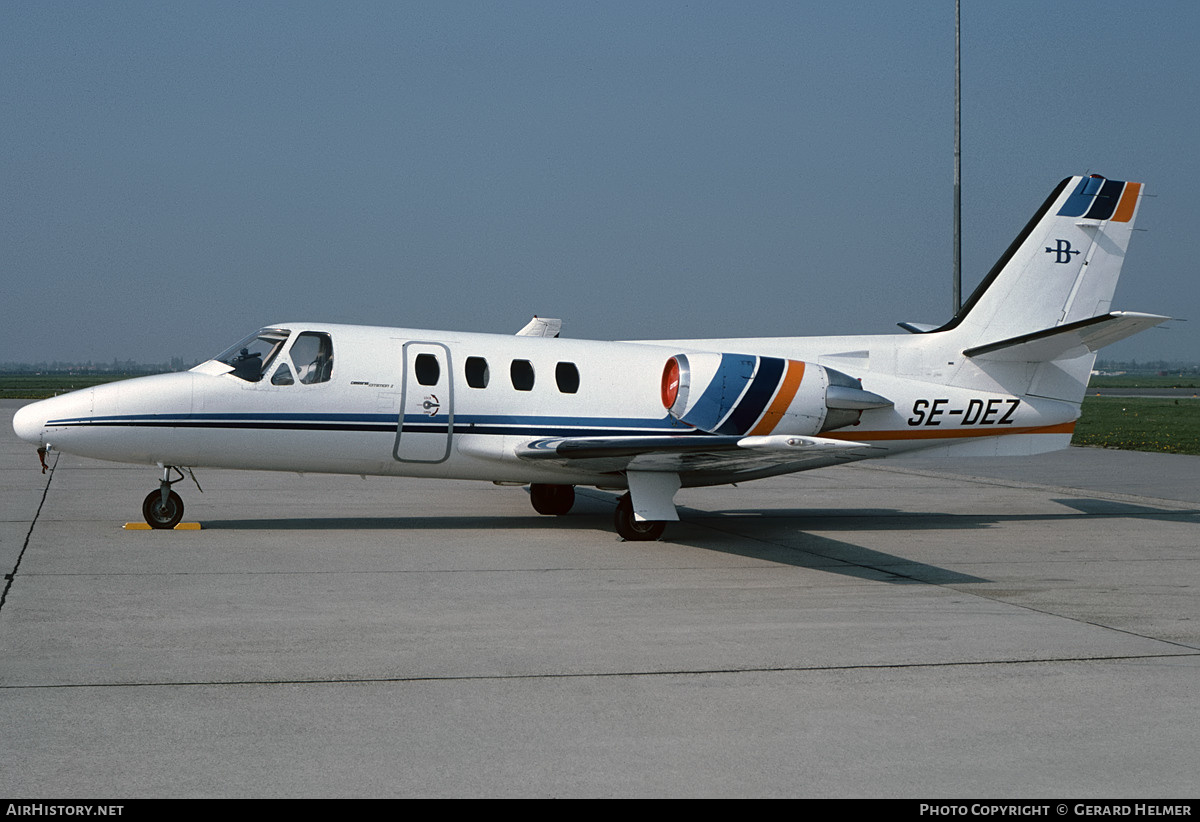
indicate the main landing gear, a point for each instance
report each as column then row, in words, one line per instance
column 558, row 499
column 552, row 499
column 631, row 528
column 163, row 509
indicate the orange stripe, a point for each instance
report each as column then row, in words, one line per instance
column 783, row 398
column 1128, row 203
column 949, row 433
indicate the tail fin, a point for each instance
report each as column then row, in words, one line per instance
column 1061, row 269
column 1037, row 319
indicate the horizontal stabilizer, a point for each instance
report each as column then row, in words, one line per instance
column 1071, row 339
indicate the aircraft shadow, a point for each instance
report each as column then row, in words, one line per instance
column 416, row 523
column 1091, row 508
column 753, row 542
column 783, row 535
column 890, row 519
column 769, row 534
column 785, row 540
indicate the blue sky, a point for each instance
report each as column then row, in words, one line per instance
column 178, row 174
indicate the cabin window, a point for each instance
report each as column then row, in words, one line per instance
column 521, row 372
column 312, row 355
column 427, row 369
column 567, row 377
column 252, row 357
column 477, row 372
column 283, row 375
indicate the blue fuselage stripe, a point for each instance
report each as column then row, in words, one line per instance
column 489, row 424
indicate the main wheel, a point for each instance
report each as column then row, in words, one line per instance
column 159, row 515
column 633, row 529
column 552, row 499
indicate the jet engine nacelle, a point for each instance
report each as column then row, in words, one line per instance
column 747, row 395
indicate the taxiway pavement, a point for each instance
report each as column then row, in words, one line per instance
column 1004, row 628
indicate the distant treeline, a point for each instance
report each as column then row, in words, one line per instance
column 1149, row 367
column 116, row 367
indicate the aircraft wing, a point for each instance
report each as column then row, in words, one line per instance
column 685, row 454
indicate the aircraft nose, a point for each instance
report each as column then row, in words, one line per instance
column 30, row 421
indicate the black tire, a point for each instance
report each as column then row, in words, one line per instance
column 632, row 529
column 552, row 499
column 162, row 516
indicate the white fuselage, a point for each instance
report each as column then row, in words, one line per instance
column 377, row 413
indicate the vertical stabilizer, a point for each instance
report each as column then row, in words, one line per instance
column 1061, row 269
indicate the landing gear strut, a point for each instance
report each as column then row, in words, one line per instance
column 163, row 509
column 633, row 529
column 552, row 499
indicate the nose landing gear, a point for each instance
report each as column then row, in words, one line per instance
column 163, row 509
column 163, row 513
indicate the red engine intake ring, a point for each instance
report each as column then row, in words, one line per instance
column 670, row 383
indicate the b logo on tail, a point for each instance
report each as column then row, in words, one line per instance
column 1062, row 251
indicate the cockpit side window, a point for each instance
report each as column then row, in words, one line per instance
column 312, row 355
column 251, row 357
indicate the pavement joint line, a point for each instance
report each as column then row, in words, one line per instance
column 951, row 587
column 1078, row 620
column 606, row 569
column 893, row 666
column 11, row 576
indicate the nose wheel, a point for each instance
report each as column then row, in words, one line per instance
column 160, row 513
column 163, row 509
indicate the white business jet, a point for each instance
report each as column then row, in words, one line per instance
column 1005, row 376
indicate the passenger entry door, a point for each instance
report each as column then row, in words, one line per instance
column 426, row 423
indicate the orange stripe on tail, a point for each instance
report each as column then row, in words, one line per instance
column 1128, row 203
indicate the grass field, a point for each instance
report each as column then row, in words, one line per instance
column 1129, row 423
column 39, row 386
column 1140, row 424
column 1145, row 381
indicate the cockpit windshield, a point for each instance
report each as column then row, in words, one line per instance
column 308, row 361
column 251, row 357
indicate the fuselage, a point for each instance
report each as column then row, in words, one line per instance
column 394, row 401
